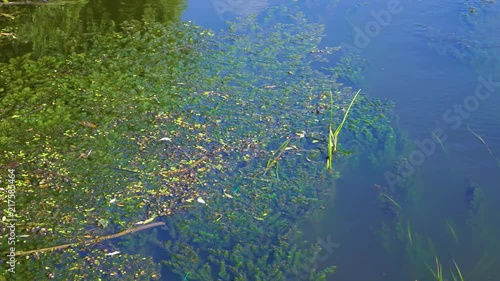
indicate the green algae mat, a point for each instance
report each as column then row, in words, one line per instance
column 216, row 142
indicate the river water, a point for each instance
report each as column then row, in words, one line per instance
column 438, row 61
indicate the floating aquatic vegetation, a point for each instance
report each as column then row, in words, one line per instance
column 351, row 68
column 275, row 159
column 77, row 161
column 167, row 145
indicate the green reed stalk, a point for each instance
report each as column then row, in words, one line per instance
column 333, row 136
column 460, row 276
column 438, row 274
column 393, row 201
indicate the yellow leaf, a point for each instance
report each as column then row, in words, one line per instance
column 150, row 219
column 227, row 195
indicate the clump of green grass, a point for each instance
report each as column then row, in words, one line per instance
column 334, row 135
column 456, row 273
column 438, row 274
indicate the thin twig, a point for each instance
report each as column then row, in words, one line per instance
column 91, row 241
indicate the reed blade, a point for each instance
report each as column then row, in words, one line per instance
column 458, row 271
column 409, row 234
column 452, row 231
column 440, row 142
column 333, row 135
column 392, row 200
column 486, row 145
column 439, row 270
column 438, row 274
column 337, row 131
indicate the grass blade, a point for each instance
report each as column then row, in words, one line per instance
column 484, row 143
column 409, row 234
column 439, row 270
column 337, row 131
column 452, row 231
column 438, row 274
column 440, row 142
column 458, row 271
column 392, row 200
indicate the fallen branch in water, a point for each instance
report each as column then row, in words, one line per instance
column 92, row 241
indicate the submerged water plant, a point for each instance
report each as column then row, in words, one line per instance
column 485, row 144
column 274, row 160
column 392, row 201
column 440, row 142
column 438, row 274
column 452, row 231
column 460, row 277
column 410, row 237
column 172, row 148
